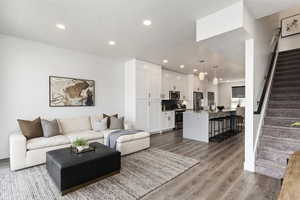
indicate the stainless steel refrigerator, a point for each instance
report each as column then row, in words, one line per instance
column 197, row 100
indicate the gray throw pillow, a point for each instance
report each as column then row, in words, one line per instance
column 116, row 123
column 50, row 128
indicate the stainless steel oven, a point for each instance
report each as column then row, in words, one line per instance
column 179, row 118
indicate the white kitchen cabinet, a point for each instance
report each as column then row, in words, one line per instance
column 173, row 81
column 142, row 95
column 155, row 116
column 167, row 120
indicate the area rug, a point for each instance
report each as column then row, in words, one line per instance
column 141, row 173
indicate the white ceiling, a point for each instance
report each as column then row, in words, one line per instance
column 91, row 24
column 262, row 8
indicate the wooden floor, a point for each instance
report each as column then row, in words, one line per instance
column 219, row 175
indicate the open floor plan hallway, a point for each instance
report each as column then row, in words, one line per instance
column 219, row 175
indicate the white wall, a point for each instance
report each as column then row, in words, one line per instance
column 225, row 92
column 292, row 42
column 225, row 20
column 25, row 68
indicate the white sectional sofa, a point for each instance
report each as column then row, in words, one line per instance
column 27, row 153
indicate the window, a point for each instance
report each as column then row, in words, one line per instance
column 238, row 92
column 238, row 96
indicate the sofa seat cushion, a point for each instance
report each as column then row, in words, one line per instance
column 86, row 135
column 137, row 136
column 126, row 138
column 44, row 142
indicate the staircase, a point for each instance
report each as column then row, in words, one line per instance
column 279, row 139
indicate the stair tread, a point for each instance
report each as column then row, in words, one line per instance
column 270, row 145
column 261, row 161
column 283, row 139
column 289, row 109
column 280, row 127
column 277, row 117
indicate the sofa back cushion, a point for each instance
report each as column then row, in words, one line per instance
column 31, row 129
column 50, row 128
column 75, row 124
column 116, row 123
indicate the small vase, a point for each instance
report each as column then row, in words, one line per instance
column 81, row 148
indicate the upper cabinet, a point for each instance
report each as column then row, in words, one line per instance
column 172, row 81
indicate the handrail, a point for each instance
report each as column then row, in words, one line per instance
column 268, row 78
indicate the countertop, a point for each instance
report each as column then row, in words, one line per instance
column 213, row 114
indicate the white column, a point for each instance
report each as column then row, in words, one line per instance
column 249, row 164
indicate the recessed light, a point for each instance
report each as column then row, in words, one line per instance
column 112, row 43
column 147, row 22
column 221, row 79
column 165, row 61
column 205, row 73
column 61, row 26
column 195, row 70
column 181, row 66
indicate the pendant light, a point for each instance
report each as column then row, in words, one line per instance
column 215, row 80
column 202, row 74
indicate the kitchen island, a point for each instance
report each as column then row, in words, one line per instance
column 203, row 125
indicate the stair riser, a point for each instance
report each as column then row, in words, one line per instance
column 286, row 90
column 280, row 122
column 287, row 72
column 288, row 69
column 277, row 173
column 281, row 84
column 288, row 61
column 281, row 65
column 284, row 98
column 288, row 54
column 292, row 78
column 287, row 96
column 292, row 134
column 283, row 113
column 288, row 58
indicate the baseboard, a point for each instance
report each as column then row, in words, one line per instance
column 3, row 156
column 249, row 165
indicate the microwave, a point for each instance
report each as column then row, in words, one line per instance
column 174, row 95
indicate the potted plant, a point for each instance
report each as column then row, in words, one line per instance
column 80, row 144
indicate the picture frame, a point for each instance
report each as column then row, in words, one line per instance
column 290, row 26
column 71, row 92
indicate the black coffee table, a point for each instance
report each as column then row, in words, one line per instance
column 70, row 171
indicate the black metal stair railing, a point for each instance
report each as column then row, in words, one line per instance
column 268, row 76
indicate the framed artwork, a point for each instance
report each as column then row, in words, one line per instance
column 290, row 26
column 64, row 92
